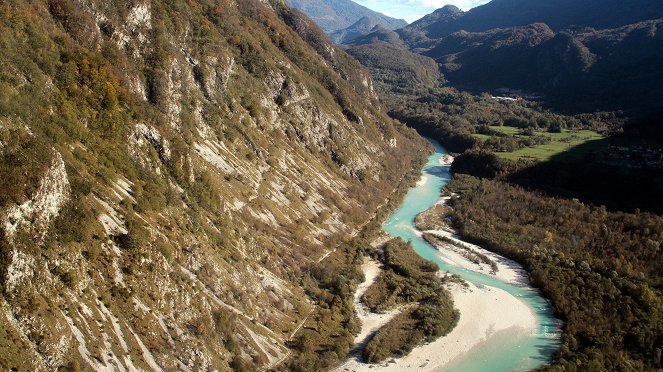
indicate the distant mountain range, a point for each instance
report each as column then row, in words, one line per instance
column 557, row 14
column 614, row 68
column 585, row 55
column 335, row 15
column 360, row 28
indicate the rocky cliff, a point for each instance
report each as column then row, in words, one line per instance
column 168, row 169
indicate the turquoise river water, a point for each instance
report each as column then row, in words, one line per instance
column 501, row 352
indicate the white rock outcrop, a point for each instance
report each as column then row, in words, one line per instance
column 35, row 214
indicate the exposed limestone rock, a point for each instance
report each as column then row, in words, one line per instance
column 145, row 134
column 19, row 271
column 229, row 166
column 139, row 16
column 35, row 214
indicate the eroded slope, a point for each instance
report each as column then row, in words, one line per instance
column 167, row 169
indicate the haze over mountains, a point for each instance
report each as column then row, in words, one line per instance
column 364, row 26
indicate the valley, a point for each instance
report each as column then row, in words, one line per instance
column 311, row 185
column 493, row 307
column 534, row 173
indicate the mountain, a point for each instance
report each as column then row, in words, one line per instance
column 397, row 69
column 417, row 33
column 381, row 35
column 596, row 69
column 557, row 14
column 170, row 172
column 335, row 15
column 394, row 68
column 578, row 56
column 360, row 28
column 505, row 57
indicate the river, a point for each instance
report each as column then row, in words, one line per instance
column 500, row 352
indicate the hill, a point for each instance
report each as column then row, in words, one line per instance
column 394, row 68
column 360, row 28
column 335, row 15
column 379, row 35
column 170, row 172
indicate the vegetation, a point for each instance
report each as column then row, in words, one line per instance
column 407, row 279
column 461, row 121
column 395, row 69
column 328, row 335
column 22, row 160
column 596, row 264
column 560, row 192
column 200, row 182
column 422, row 323
column 558, row 144
column 591, row 156
column 432, row 219
column 600, row 269
column 579, row 63
column 515, row 143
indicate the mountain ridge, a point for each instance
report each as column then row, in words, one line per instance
column 558, row 14
column 362, row 27
column 333, row 16
column 563, row 66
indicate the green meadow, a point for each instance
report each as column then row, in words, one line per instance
column 568, row 142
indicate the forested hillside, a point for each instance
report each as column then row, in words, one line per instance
column 600, row 269
column 575, row 70
column 169, row 171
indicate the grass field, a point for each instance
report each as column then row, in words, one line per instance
column 560, row 144
column 512, row 131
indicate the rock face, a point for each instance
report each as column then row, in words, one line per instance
column 169, row 170
column 35, row 214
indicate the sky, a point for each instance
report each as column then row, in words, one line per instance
column 411, row 10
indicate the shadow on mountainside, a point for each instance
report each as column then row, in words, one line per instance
column 619, row 172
